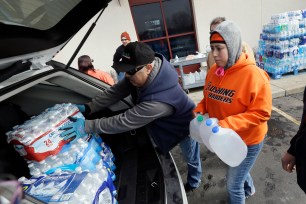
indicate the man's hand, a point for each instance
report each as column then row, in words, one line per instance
column 75, row 129
column 288, row 162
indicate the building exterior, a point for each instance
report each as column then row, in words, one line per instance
column 173, row 27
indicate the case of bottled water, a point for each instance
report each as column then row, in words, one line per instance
column 78, row 187
column 64, row 172
column 39, row 137
column 86, row 153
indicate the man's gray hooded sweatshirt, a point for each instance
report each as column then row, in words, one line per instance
column 161, row 104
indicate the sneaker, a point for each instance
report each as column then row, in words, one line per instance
column 189, row 188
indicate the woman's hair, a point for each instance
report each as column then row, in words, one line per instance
column 85, row 59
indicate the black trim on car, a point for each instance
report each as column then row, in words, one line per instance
column 21, row 83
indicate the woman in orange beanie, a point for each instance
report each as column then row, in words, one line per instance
column 238, row 94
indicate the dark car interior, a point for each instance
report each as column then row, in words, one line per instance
column 139, row 174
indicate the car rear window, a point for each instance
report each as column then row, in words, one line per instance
column 38, row 14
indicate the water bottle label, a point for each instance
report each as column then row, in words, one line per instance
column 81, row 187
column 54, row 188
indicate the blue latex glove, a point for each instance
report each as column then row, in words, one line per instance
column 75, row 129
column 81, row 108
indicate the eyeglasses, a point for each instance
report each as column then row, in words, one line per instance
column 132, row 72
column 123, row 39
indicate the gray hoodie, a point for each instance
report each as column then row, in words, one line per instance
column 230, row 32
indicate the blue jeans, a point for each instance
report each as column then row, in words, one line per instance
column 121, row 75
column 191, row 152
column 239, row 181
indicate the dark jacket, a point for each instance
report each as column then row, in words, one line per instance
column 298, row 149
column 118, row 53
column 116, row 58
column 168, row 131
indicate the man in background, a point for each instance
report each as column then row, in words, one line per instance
column 125, row 39
column 160, row 104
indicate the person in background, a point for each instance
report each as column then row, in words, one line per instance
column 295, row 157
column 125, row 39
column 85, row 65
column 238, row 94
column 245, row 47
column 160, row 104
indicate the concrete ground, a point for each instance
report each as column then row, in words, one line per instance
column 273, row 185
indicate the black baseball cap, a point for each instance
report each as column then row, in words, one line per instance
column 134, row 55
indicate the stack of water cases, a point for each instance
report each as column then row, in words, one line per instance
column 64, row 172
column 282, row 44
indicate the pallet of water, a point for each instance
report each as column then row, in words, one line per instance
column 282, row 44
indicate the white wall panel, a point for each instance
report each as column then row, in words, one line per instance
column 250, row 15
column 105, row 38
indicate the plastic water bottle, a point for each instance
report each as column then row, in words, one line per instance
column 194, row 127
column 206, row 130
column 228, row 146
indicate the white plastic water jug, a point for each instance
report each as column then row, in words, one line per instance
column 186, row 79
column 194, row 127
column 228, row 146
column 191, row 78
column 206, row 131
column 203, row 74
column 197, row 76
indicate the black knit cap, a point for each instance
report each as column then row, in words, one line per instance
column 134, row 55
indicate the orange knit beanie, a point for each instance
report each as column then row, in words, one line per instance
column 216, row 38
column 125, row 35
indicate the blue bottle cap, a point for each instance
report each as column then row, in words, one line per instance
column 215, row 129
column 200, row 118
column 209, row 122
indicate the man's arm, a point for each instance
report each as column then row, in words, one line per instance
column 138, row 116
column 291, row 149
